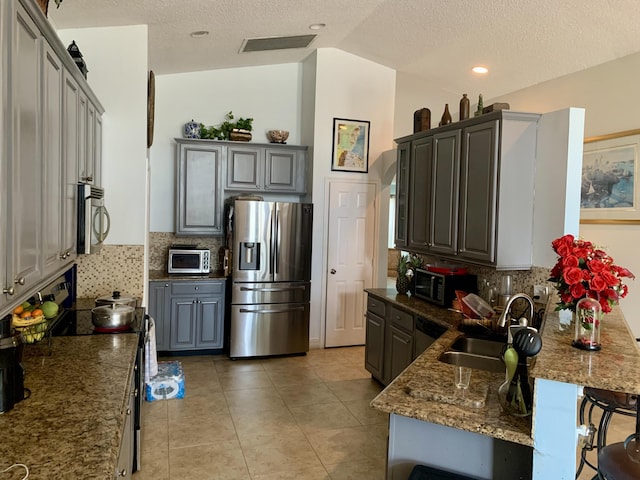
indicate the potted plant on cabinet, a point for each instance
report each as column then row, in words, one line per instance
column 238, row 130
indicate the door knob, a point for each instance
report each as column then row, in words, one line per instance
column 332, row 271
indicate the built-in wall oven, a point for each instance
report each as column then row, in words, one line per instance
column 93, row 218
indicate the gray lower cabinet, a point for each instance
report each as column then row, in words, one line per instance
column 199, row 201
column 189, row 315
column 159, row 308
column 390, row 340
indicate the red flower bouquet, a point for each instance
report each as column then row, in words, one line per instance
column 585, row 271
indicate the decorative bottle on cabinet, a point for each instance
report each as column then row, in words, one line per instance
column 464, row 107
column 446, row 116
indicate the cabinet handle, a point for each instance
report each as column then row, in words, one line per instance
column 166, row 284
column 135, row 392
column 122, row 473
column 89, row 178
column 128, row 411
column 197, row 288
column 9, row 290
column 19, row 281
column 332, row 271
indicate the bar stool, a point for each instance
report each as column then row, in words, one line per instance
column 609, row 402
column 615, row 461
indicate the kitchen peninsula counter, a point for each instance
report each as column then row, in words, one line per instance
column 71, row 425
column 437, row 378
column 559, row 370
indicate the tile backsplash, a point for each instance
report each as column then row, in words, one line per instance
column 114, row 267
column 159, row 243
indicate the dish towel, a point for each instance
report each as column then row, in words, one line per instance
column 151, row 359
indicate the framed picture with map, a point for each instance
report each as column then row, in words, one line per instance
column 350, row 145
column 610, row 192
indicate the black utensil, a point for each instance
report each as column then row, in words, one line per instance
column 527, row 343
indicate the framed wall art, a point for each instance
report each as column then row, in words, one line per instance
column 350, row 145
column 610, row 191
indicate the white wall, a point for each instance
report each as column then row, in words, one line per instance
column 346, row 86
column 116, row 58
column 270, row 95
column 611, row 98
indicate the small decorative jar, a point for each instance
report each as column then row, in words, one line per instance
column 588, row 322
column 191, row 130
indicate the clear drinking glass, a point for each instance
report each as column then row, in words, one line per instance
column 463, row 377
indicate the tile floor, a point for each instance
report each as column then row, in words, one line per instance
column 303, row 417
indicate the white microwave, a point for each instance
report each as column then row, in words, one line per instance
column 93, row 218
column 189, row 260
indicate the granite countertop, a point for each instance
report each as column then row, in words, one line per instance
column 615, row 367
column 71, row 425
column 447, row 406
column 162, row 275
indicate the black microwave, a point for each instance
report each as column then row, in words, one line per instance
column 440, row 288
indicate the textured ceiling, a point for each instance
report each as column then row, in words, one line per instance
column 437, row 41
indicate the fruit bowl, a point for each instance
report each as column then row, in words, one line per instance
column 278, row 136
column 32, row 329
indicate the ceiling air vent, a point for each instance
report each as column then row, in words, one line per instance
column 276, row 43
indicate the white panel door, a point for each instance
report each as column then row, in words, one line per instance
column 350, row 260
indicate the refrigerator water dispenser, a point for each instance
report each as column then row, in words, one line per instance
column 249, row 256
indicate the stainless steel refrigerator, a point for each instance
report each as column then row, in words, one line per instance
column 271, row 273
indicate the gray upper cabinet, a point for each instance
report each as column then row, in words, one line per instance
column 40, row 129
column 25, row 244
column 470, row 190
column 70, row 119
column 497, row 191
column 419, row 194
column 445, row 177
column 53, row 171
column 264, row 168
column 402, row 195
column 199, row 188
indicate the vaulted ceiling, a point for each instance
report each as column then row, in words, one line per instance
column 437, row 41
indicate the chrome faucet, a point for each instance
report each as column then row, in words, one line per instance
column 505, row 316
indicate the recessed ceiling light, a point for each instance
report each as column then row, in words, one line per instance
column 317, row 26
column 199, row 34
column 480, row 69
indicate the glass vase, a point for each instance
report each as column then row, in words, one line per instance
column 588, row 323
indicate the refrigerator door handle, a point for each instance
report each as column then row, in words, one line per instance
column 275, row 289
column 276, row 242
column 271, row 310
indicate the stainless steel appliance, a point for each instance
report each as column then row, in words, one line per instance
column 271, row 273
column 189, row 259
column 440, row 288
column 93, row 218
column 11, row 370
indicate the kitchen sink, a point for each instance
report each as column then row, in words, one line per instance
column 475, row 353
column 478, row 346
